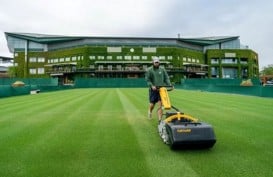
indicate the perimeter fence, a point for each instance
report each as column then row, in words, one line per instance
column 37, row 85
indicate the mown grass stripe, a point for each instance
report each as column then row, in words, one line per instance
column 39, row 113
column 157, row 158
column 114, row 150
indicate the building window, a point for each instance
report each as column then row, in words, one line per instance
column 170, row 57
column 243, row 61
column 61, row 59
column 229, row 61
column 41, row 70
column 149, row 50
column 32, row 60
column 214, row 61
column 128, row 57
column 109, row 67
column 144, row 57
column 92, row 57
column 119, row 67
column 32, row 71
column 67, row 59
column 184, row 59
column 244, row 72
column 161, row 57
column 74, row 58
column 113, row 49
column 214, row 72
column 100, row 67
column 109, row 57
column 229, row 73
column 41, row 59
column 136, row 57
column 119, row 57
column 100, row 57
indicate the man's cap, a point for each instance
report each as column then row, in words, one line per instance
column 156, row 60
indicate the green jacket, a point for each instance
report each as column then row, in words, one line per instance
column 157, row 77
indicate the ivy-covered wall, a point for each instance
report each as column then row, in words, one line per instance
column 22, row 70
column 252, row 57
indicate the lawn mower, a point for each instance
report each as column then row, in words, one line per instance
column 180, row 130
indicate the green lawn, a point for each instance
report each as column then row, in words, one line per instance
column 105, row 132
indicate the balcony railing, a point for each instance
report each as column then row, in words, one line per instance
column 123, row 70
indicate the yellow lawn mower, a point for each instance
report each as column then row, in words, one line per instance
column 180, row 130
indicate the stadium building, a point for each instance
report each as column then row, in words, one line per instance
column 68, row 57
column 5, row 63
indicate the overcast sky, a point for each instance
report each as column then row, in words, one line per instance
column 252, row 20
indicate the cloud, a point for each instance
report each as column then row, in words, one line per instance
column 143, row 18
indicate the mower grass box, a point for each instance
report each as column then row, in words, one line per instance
column 180, row 130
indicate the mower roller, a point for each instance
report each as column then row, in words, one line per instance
column 180, row 130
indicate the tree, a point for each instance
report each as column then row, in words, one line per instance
column 267, row 70
column 12, row 71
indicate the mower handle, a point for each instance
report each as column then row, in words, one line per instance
column 169, row 87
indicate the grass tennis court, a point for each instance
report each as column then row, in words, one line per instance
column 105, row 132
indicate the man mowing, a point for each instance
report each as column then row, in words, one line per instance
column 156, row 76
